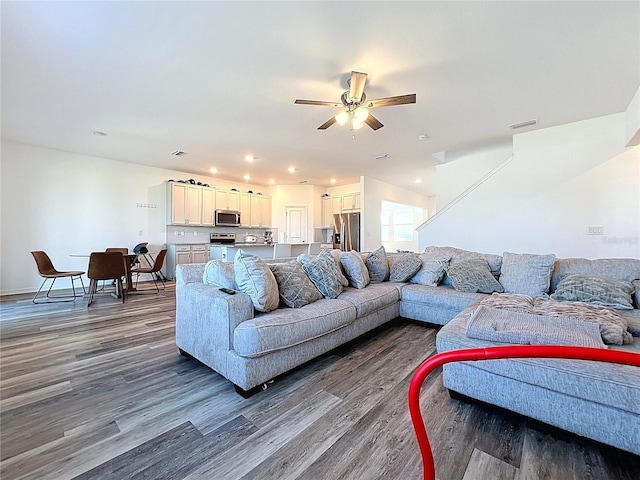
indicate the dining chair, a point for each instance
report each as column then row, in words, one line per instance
column 154, row 270
column 47, row 271
column 106, row 266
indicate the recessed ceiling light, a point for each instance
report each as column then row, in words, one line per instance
column 418, row 180
column 292, row 169
column 178, row 153
column 271, row 182
column 528, row 123
column 249, row 158
column 333, row 180
column 381, row 156
column 423, row 137
column 99, row 134
column 247, row 177
column 213, row 170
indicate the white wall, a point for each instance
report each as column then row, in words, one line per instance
column 294, row 196
column 561, row 180
column 65, row 203
column 372, row 193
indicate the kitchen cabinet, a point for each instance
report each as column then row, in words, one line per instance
column 208, row 206
column 185, row 203
column 330, row 206
column 260, row 211
column 180, row 254
column 351, row 202
column 227, row 200
column 245, row 209
column 265, row 211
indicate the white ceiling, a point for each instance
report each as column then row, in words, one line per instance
column 218, row 80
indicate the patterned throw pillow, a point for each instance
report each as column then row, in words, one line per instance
column 335, row 253
column 220, row 274
column 473, row 276
column 595, row 290
column 404, row 267
column 377, row 265
column 254, row 278
column 432, row 269
column 294, row 286
column 526, row 273
column 355, row 269
column 324, row 274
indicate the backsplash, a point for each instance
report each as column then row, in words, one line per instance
column 183, row 234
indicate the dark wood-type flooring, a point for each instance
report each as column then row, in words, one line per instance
column 103, row 393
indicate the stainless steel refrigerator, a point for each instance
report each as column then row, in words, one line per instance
column 346, row 231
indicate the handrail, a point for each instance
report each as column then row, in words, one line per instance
column 466, row 192
column 493, row 353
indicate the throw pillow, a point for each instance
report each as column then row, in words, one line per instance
column 526, row 273
column 473, row 276
column 254, row 278
column 355, row 269
column 324, row 274
column 595, row 290
column 220, row 274
column 404, row 267
column 335, row 253
column 459, row 255
column 432, row 269
column 294, row 286
column 377, row 265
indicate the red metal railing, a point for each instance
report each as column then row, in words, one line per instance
column 493, row 353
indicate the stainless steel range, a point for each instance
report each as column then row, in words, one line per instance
column 223, row 238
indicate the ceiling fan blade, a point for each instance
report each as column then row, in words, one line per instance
column 356, row 86
column 318, row 102
column 327, row 124
column 391, row 101
column 373, row 122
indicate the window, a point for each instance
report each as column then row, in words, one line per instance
column 398, row 225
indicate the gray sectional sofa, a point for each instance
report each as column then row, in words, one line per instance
column 596, row 400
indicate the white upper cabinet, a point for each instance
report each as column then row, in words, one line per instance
column 185, row 203
column 351, row 202
column 245, row 209
column 330, row 206
column 227, row 200
column 208, row 206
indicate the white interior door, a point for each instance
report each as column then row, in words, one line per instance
column 296, row 224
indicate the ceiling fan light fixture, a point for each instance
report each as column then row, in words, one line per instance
column 356, row 124
column 342, row 118
column 361, row 114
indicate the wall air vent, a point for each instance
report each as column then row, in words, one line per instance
column 528, row 123
column 178, row 153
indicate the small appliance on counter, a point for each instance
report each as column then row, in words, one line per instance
column 251, row 239
column 223, row 238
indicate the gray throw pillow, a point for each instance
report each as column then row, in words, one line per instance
column 335, row 253
column 404, row 267
column 220, row 274
column 254, row 278
column 294, row 286
column 458, row 255
column 526, row 273
column 606, row 292
column 377, row 265
column 473, row 276
column 432, row 269
column 324, row 274
column 355, row 269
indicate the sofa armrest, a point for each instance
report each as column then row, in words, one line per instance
column 189, row 273
column 636, row 293
column 206, row 319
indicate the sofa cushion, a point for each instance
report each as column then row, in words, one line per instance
column 473, row 275
column 440, row 296
column 294, row 287
column 220, row 274
column 596, row 290
column 324, row 274
column 375, row 297
column 526, row 273
column 432, row 269
column 378, row 265
column 355, row 269
column 619, row 268
column 254, row 278
column 284, row 328
column 403, row 267
column 458, row 255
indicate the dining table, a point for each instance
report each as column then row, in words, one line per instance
column 132, row 259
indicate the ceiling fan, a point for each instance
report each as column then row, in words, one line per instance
column 357, row 113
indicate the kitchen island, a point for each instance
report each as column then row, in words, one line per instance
column 262, row 250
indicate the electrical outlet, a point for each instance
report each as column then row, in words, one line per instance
column 595, row 230
column 176, row 233
column 195, row 234
column 140, row 232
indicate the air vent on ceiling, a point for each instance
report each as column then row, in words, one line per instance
column 303, row 181
column 528, row 123
column 381, row 156
column 178, row 153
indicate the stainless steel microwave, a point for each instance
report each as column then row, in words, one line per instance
column 227, row 218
